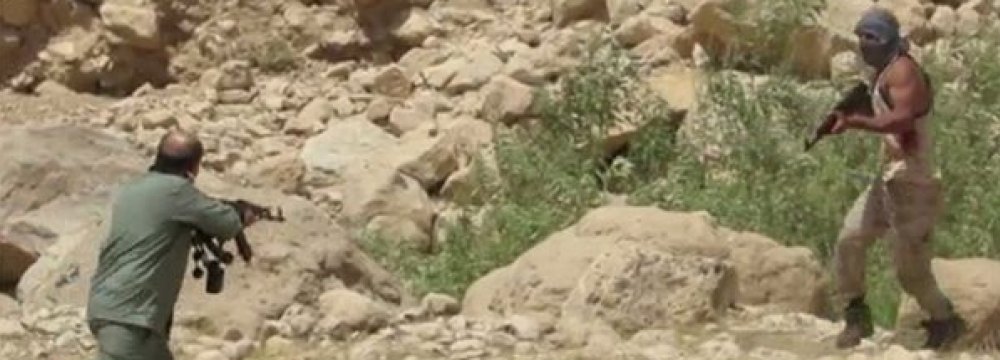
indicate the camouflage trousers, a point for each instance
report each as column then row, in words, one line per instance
column 118, row 341
column 907, row 207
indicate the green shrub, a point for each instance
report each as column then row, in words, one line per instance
column 550, row 174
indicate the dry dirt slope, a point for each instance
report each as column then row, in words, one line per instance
column 365, row 114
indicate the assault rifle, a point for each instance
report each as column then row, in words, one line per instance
column 209, row 252
column 857, row 100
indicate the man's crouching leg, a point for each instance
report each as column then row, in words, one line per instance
column 117, row 341
column 865, row 222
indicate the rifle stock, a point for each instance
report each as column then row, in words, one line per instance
column 857, row 100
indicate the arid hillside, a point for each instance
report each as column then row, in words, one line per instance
column 491, row 179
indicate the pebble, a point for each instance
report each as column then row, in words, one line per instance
column 523, row 348
column 65, row 339
column 212, row 355
column 238, row 350
column 211, row 342
column 523, row 327
column 11, row 329
column 467, row 345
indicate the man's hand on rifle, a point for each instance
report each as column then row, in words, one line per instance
column 840, row 123
column 249, row 217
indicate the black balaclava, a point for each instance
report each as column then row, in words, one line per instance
column 878, row 37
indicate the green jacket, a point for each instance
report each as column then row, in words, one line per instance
column 143, row 261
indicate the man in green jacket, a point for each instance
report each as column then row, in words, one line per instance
column 143, row 261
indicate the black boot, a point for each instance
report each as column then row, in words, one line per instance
column 942, row 333
column 858, row 324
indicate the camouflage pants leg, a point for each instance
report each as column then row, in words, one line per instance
column 909, row 209
column 913, row 207
column 118, row 341
column 866, row 221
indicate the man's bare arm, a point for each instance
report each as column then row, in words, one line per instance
column 910, row 97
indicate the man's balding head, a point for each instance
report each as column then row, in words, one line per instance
column 179, row 152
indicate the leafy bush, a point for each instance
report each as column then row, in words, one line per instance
column 550, row 174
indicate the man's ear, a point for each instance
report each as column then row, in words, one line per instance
column 192, row 172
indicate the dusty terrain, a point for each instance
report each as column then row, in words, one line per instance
column 363, row 114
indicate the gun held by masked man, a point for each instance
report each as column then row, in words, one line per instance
column 857, row 101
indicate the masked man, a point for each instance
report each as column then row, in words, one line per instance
column 906, row 199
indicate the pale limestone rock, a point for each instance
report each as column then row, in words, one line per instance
column 429, row 158
column 440, row 304
column 385, row 192
column 135, row 22
column 379, row 110
column 232, row 75
column 536, row 284
column 440, row 75
column 400, row 232
column 968, row 21
column 844, row 65
column 11, row 329
column 791, row 280
column 403, row 120
column 945, row 20
column 507, row 100
column 158, row 119
column 345, row 311
column 392, row 81
column 523, row 67
column 642, row 27
column 311, row 118
column 698, row 290
column 343, row 142
column 283, row 171
column 678, row 85
column 479, row 66
column 415, row 61
column 523, row 327
column 417, row 26
column 565, row 12
column 973, row 288
column 620, row 11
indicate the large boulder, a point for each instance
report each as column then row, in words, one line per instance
column 296, row 260
column 779, row 278
column 546, row 276
column 135, row 22
column 565, row 12
column 973, row 287
column 327, row 155
column 384, row 183
column 612, row 264
column 81, row 163
column 632, row 287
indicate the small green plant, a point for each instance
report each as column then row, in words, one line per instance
column 272, row 55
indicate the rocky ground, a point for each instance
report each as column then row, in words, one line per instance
column 367, row 115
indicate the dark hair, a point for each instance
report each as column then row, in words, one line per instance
column 177, row 154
